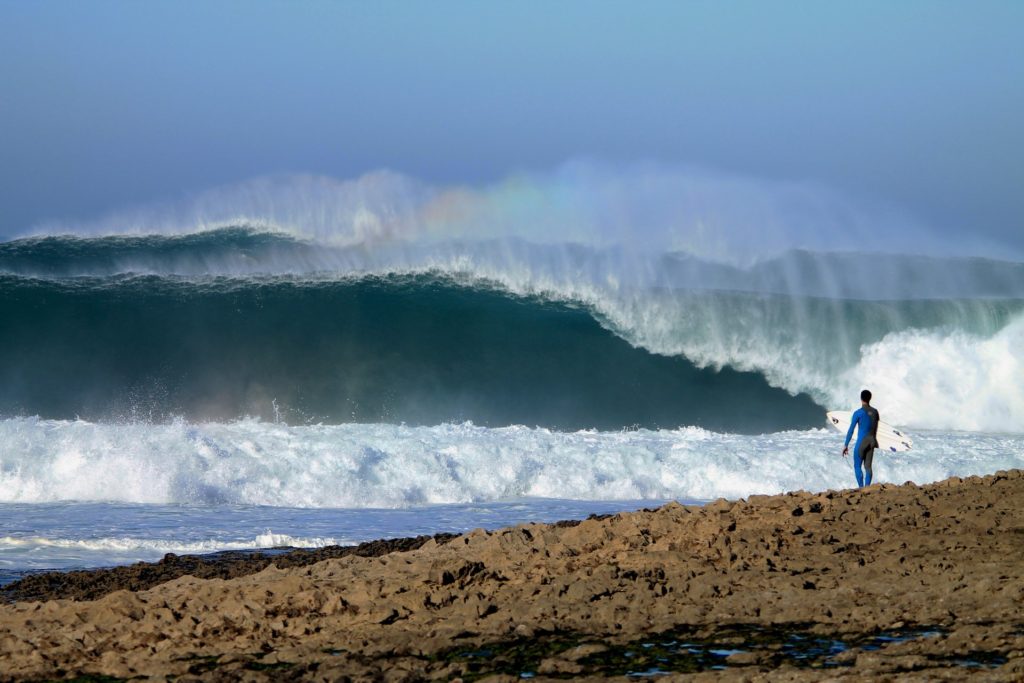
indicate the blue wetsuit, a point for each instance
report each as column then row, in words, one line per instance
column 862, row 420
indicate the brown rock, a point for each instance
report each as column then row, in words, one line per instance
column 865, row 561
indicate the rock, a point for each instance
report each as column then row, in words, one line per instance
column 557, row 665
column 745, row 658
column 580, row 651
column 523, row 631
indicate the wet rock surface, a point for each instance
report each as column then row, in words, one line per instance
column 95, row 583
column 909, row 582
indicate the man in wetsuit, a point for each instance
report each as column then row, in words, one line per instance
column 866, row 422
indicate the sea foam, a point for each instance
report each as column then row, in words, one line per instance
column 390, row 466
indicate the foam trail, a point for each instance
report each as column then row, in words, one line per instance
column 363, row 466
column 155, row 546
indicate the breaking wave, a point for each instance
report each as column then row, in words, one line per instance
column 240, row 321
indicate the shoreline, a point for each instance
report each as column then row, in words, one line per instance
column 918, row 581
column 94, row 583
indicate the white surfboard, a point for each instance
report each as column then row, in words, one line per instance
column 889, row 438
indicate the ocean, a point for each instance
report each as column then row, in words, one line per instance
column 242, row 387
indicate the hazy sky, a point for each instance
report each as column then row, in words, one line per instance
column 917, row 104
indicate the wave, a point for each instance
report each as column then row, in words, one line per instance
column 388, row 466
column 240, row 321
column 413, row 349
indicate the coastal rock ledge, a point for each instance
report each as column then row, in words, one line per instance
column 887, row 582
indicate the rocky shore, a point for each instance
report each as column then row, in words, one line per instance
column 92, row 584
column 909, row 582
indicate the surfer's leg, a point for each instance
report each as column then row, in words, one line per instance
column 856, row 466
column 869, row 455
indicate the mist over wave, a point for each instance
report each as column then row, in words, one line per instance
column 705, row 213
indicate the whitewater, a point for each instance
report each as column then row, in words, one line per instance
column 309, row 362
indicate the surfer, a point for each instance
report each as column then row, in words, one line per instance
column 866, row 421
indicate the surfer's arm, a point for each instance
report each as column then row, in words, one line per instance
column 849, row 432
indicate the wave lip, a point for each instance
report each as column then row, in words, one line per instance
column 516, row 264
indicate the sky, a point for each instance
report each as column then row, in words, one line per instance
column 913, row 105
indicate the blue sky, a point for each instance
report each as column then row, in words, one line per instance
column 916, row 104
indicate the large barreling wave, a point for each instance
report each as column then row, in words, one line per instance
column 382, row 300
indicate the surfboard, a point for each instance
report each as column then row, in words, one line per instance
column 889, row 438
